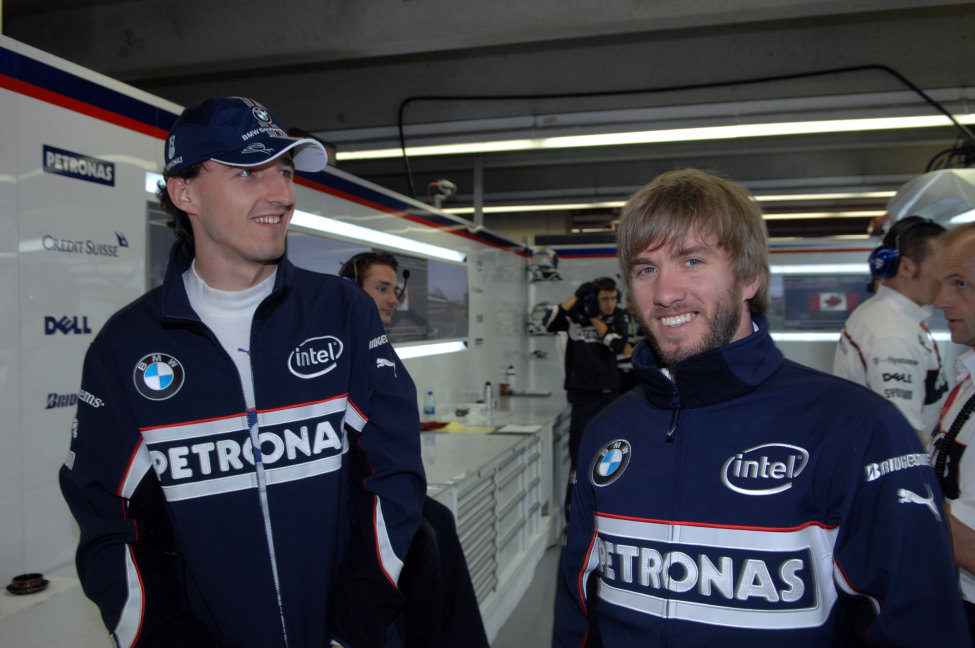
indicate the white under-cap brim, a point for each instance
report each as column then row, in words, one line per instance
column 309, row 155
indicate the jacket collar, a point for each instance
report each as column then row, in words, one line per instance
column 175, row 303
column 714, row 376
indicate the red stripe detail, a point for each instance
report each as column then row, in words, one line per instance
column 287, row 407
column 128, row 468
column 582, row 593
column 375, row 517
column 375, row 534
column 857, row 347
column 57, row 99
column 359, row 411
column 720, row 526
column 206, row 420
column 142, row 588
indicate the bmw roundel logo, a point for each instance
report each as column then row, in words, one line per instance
column 261, row 115
column 158, row 376
column 610, row 462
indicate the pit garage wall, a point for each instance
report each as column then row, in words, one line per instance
column 583, row 263
column 55, row 298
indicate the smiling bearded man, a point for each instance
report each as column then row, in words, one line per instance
column 737, row 498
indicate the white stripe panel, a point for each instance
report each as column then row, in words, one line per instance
column 840, row 578
column 391, row 562
column 215, row 486
column 301, row 471
column 302, row 412
column 196, row 430
column 813, row 536
column 130, row 621
column 233, row 483
column 141, row 463
column 732, row 617
column 591, row 565
column 354, row 419
column 818, row 540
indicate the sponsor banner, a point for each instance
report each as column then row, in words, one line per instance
column 67, row 325
column 88, row 247
column 737, row 577
column 78, row 166
column 217, row 456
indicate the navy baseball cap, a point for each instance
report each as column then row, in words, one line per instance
column 238, row 132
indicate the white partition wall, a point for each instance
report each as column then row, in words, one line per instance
column 75, row 151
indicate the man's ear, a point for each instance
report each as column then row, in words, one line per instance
column 907, row 268
column 179, row 193
column 750, row 287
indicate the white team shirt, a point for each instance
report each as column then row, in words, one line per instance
column 960, row 467
column 886, row 346
column 229, row 315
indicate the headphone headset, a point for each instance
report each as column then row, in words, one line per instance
column 886, row 258
column 350, row 269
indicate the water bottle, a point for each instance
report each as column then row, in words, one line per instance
column 429, row 409
column 509, row 377
column 488, row 396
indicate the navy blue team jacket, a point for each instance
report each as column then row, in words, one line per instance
column 200, row 517
column 755, row 502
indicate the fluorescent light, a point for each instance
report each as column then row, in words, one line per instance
column 867, row 213
column 435, row 348
column 342, row 229
column 822, row 268
column 825, row 196
column 964, row 217
column 347, row 230
column 503, row 209
column 833, row 336
column 806, row 337
column 660, row 136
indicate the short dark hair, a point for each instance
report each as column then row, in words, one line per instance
column 356, row 267
column 605, row 283
column 179, row 220
column 915, row 242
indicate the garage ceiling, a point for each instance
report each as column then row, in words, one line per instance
column 353, row 71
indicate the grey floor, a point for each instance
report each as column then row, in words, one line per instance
column 530, row 625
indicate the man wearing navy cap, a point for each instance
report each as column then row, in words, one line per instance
column 245, row 465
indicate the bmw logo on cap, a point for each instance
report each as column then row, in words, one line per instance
column 610, row 462
column 261, row 115
column 158, row 376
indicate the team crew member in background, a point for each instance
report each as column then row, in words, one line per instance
column 635, row 333
column 597, row 330
column 886, row 345
column 738, row 498
column 245, row 465
column 954, row 464
column 441, row 607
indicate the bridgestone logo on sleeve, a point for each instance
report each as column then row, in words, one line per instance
column 875, row 471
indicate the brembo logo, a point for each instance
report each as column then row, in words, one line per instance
column 315, row 356
column 764, row 470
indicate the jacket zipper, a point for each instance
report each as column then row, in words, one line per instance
column 674, row 415
column 253, row 431
column 262, row 486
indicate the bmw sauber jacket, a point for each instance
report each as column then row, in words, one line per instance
column 203, row 523
column 754, row 502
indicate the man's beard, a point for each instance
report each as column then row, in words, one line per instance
column 720, row 331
